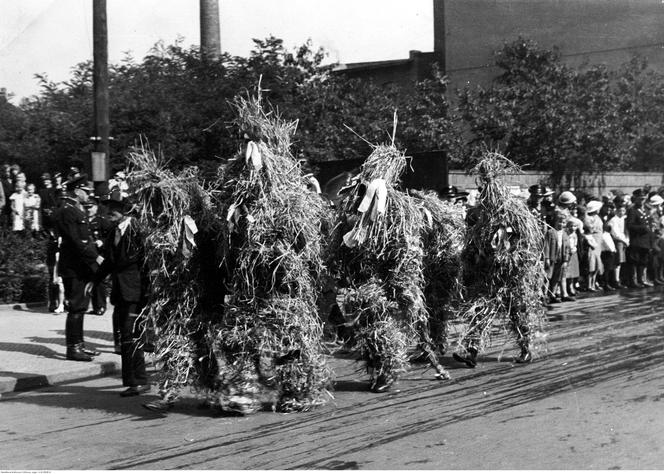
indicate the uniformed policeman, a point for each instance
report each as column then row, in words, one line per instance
column 79, row 260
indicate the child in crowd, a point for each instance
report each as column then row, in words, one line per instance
column 32, row 205
column 572, row 274
column 620, row 239
column 556, row 258
column 18, row 206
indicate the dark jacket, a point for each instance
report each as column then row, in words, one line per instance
column 78, row 253
column 124, row 261
column 7, row 190
column 637, row 223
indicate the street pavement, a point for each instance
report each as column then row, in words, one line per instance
column 32, row 348
column 593, row 400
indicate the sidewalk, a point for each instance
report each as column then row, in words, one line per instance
column 32, row 348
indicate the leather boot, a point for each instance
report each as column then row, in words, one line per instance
column 470, row 359
column 76, row 353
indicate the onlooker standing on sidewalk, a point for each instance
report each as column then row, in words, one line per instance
column 572, row 227
column 637, row 223
column 48, row 200
column 556, row 257
column 79, row 260
column 124, row 261
column 620, row 239
column 99, row 226
column 32, row 206
column 593, row 228
column 17, row 200
column 7, row 190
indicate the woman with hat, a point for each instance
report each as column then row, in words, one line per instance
column 618, row 232
column 593, row 228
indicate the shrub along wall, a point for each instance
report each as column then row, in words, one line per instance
column 23, row 271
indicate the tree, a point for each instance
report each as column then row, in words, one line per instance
column 547, row 115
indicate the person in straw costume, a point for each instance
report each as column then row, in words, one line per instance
column 503, row 268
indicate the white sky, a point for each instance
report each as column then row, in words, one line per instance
column 51, row 36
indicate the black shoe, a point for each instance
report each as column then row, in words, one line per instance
column 75, row 353
column 134, row 391
column 524, row 358
column 554, row 300
column 159, row 406
column 609, row 288
column 90, row 352
column 470, row 360
column 568, row 298
column 381, row 384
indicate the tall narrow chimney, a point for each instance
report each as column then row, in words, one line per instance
column 439, row 33
column 210, row 31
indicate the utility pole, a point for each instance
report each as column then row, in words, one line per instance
column 100, row 155
column 210, row 30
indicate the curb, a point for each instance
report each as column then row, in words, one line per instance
column 34, row 381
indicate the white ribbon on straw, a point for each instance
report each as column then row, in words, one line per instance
column 253, row 154
column 190, row 229
column 375, row 201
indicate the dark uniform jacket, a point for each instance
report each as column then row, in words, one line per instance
column 100, row 227
column 637, row 223
column 124, row 260
column 78, row 252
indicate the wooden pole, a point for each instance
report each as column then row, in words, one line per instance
column 210, row 30
column 100, row 90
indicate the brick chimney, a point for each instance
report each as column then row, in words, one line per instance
column 439, row 33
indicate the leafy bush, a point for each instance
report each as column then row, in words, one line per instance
column 23, row 272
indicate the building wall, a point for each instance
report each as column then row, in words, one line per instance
column 595, row 184
column 592, row 31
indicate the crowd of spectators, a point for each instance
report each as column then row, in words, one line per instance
column 600, row 243
column 594, row 244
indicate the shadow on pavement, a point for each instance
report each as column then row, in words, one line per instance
column 31, row 349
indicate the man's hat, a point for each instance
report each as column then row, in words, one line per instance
column 594, row 206
column 452, row 192
column 539, row 190
column 77, row 181
column 638, row 193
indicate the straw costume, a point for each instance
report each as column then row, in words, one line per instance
column 378, row 250
column 269, row 343
column 503, row 274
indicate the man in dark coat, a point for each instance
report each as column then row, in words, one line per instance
column 124, row 261
column 48, row 201
column 100, row 225
column 7, row 190
column 638, row 225
column 79, row 260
